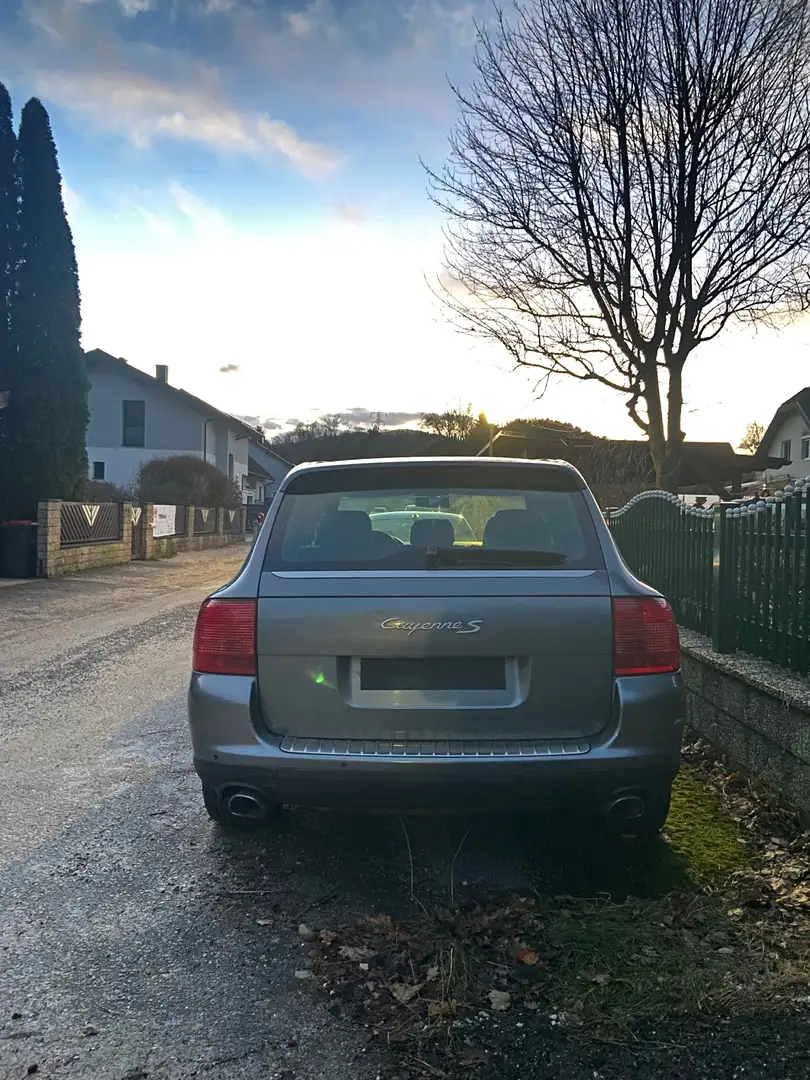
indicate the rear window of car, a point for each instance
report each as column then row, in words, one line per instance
column 457, row 518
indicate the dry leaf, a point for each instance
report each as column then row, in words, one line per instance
column 355, row 953
column 499, row 1000
column 528, row 957
column 329, row 937
column 432, row 973
column 405, row 992
column 441, row 1008
column 380, row 922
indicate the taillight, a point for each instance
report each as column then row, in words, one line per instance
column 225, row 638
column 645, row 636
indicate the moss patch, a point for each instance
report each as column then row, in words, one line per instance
column 701, row 833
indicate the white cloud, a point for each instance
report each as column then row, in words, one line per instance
column 144, row 110
column 148, row 93
column 302, row 308
column 73, row 202
column 131, row 8
column 370, row 54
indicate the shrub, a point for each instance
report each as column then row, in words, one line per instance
column 101, row 491
column 185, row 480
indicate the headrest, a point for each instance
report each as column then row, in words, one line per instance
column 347, row 531
column 432, row 532
column 516, row 530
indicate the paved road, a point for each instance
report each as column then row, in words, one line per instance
column 122, row 949
column 133, row 934
column 123, row 911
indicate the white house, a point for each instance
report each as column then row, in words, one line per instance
column 135, row 417
column 266, row 469
column 788, row 437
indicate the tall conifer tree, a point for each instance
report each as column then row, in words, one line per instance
column 47, row 411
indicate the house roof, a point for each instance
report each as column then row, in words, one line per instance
column 800, row 401
column 263, row 448
column 257, row 469
column 97, row 357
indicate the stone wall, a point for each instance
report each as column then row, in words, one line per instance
column 163, row 547
column 755, row 713
column 53, row 560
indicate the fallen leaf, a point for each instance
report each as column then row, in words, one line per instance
column 405, row 992
column 441, row 1008
column 380, row 922
column 355, row 953
column 528, row 957
column 329, row 937
column 499, row 1000
column 432, row 973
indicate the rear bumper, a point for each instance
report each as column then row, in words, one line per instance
column 637, row 753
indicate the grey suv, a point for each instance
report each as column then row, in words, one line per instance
column 520, row 666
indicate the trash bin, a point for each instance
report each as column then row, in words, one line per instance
column 18, row 549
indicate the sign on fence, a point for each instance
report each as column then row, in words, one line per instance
column 164, row 520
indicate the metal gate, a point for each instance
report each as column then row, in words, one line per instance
column 138, row 525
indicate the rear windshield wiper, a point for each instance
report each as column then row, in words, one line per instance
column 492, row 558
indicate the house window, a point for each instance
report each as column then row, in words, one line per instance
column 98, row 470
column 230, row 466
column 806, row 448
column 134, row 423
column 786, row 452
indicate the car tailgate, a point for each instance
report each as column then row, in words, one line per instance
column 435, row 656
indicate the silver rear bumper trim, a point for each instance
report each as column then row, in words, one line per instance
column 435, row 748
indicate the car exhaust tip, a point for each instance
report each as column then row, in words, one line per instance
column 626, row 808
column 247, row 804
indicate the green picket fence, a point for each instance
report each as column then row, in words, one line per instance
column 739, row 572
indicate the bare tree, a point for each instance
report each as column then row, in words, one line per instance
column 754, row 434
column 452, row 424
column 330, row 423
column 626, row 178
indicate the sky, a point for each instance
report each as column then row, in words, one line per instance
column 244, row 184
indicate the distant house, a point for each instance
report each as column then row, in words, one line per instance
column 788, row 437
column 135, row 417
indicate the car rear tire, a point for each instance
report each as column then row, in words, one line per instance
column 219, row 813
